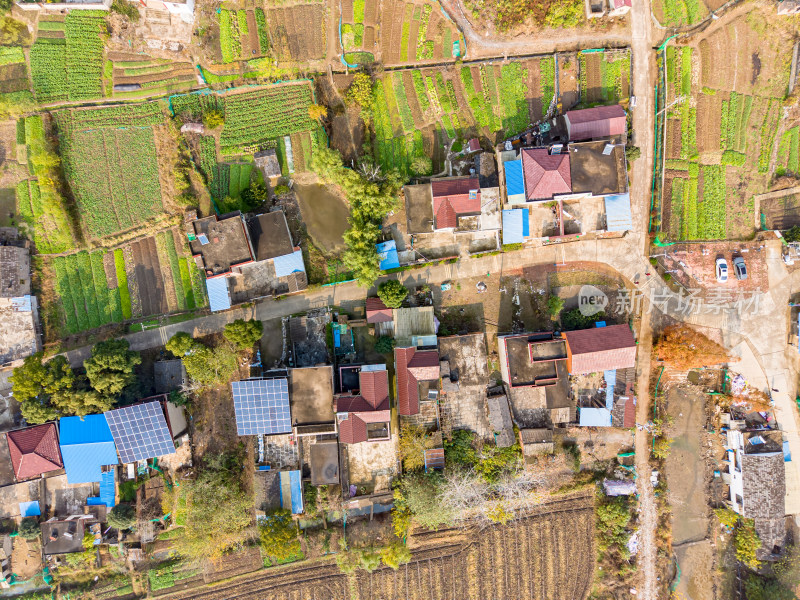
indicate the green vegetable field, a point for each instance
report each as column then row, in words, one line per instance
column 109, row 158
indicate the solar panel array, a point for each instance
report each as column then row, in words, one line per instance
column 262, row 406
column 140, row 432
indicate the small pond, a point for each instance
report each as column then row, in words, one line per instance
column 325, row 215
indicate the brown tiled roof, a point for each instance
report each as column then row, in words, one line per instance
column 411, row 368
column 601, row 349
column 597, row 122
column 374, row 387
column 377, row 311
column 34, row 450
column 545, row 174
column 451, row 200
column 629, row 419
column 353, row 429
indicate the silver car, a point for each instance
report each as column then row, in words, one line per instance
column 739, row 268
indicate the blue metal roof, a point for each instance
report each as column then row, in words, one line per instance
column 595, row 417
column 289, row 263
column 514, row 182
column 30, row 509
column 515, row 225
column 618, row 212
column 611, row 381
column 218, row 296
column 86, row 446
column 297, row 492
column 387, row 252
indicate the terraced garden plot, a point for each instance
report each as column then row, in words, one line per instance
column 410, row 32
column 152, row 75
column 13, row 70
column 604, row 76
column 109, row 158
column 720, row 138
column 416, row 111
column 243, row 34
column 69, row 67
column 298, row 32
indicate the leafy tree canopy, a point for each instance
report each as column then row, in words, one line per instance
column 29, row 528
column 41, row 388
column 360, row 91
column 385, row 344
column 122, row 516
column 278, row 536
column 244, row 334
column 254, row 196
column 180, row 344
column 213, row 119
column 111, row 367
column 422, row 165
column 392, row 293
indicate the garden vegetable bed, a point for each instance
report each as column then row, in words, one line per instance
column 109, row 157
column 410, row 32
column 298, row 32
column 721, row 137
column 604, row 76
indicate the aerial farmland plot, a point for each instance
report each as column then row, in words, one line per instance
column 112, row 166
column 725, row 137
column 418, row 111
column 151, row 276
column 398, row 32
column 151, row 75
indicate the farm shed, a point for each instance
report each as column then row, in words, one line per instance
column 597, row 168
column 419, row 208
column 500, row 420
column 288, row 264
column 169, row 375
column 324, row 458
column 219, row 297
column 546, row 175
column 62, row 536
column 15, row 271
column 34, row 451
column 414, row 326
column 453, row 198
column 378, row 312
column 600, row 349
column 267, row 162
column 387, row 254
column 515, row 183
column 516, row 227
column 417, row 377
column 595, row 123
column 535, row 442
column 618, row 212
column 270, row 235
column 18, row 321
column 292, row 491
column 86, row 447
column 594, row 417
column 311, row 400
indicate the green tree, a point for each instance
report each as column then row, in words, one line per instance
column 395, row 554
column 178, row 398
column 243, row 334
column 727, row 517
column 661, row 447
column 85, row 402
column 180, row 344
column 793, row 234
column 422, row 165
column 29, row 528
column 385, row 344
column 317, row 112
column 611, row 520
column 414, row 440
column 278, row 536
column 573, row 319
column 360, row 91
column 213, row 119
column 126, row 8
column 40, row 388
column 111, row 367
column 254, row 196
column 122, row 517
column 757, row 588
column 392, row 293
column 632, row 153
column 215, row 508
column 555, row 305
column 208, row 366
column 421, row 495
column 747, row 543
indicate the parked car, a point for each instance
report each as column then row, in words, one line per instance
column 739, row 268
column 722, row 270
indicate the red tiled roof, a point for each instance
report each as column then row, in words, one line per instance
column 601, row 349
column 351, row 404
column 374, row 387
column 411, row 368
column 473, row 145
column 597, row 122
column 353, row 429
column 451, row 200
column 621, row 3
column 34, row 450
column 629, row 417
column 545, row 174
column 377, row 311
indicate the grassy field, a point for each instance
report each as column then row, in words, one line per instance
column 722, row 131
column 109, row 158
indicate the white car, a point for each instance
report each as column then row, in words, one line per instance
column 722, row 270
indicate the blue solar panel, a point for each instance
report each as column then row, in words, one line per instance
column 261, row 406
column 140, row 432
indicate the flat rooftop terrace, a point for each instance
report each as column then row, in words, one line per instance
column 524, row 372
column 311, row 395
column 222, row 244
column 592, row 171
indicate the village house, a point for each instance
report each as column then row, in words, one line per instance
column 363, row 413
column 34, row 451
column 18, row 308
column 757, row 479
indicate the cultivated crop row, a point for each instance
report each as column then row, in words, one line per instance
column 547, row 82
